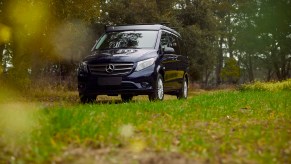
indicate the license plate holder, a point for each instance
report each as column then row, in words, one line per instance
column 103, row 81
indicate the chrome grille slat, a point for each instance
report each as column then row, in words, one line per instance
column 119, row 69
column 97, row 69
column 122, row 69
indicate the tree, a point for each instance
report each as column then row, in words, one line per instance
column 35, row 33
column 274, row 21
column 224, row 11
column 129, row 12
column 54, row 35
column 5, row 34
column 263, row 33
column 199, row 34
column 247, row 37
column 231, row 71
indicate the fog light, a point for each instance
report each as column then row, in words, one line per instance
column 145, row 85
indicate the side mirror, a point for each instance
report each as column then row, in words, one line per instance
column 169, row 50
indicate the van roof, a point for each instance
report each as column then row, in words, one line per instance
column 140, row 27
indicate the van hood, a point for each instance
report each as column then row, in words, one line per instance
column 120, row 55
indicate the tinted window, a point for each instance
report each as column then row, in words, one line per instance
column 170, row 40
column 174, row 42
column 128, row 39
column 164, row 40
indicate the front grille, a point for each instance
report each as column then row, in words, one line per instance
column 124, row 86
column 118, row 69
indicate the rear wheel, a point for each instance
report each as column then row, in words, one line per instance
column 126, row 97
column 87, row 98
column 158, row 93
column 183, row 92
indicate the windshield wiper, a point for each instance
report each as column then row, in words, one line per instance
column 128, row 48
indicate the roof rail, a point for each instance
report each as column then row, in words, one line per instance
column 152, row 26
column 161, row 23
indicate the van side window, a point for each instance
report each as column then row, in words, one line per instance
column 174, row 43
column 170, row 40
column 164, row 40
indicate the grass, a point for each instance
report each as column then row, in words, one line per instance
column 268, row 86
column 216, row 127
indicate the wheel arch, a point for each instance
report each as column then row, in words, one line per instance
column 160, row 70
column 186, row 75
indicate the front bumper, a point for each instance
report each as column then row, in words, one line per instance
column 136, row 83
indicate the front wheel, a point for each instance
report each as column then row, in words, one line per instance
column 87, row 98
column 158, row 93
column 183, row 92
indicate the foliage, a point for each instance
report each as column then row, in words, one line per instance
column 57, row 34
column 223, row 126
column 231, row 71
column 198, row 32
column 263, row 34
column 51, row 35
column 268, row 86
column 130, row 12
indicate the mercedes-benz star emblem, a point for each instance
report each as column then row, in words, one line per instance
column 110, row 68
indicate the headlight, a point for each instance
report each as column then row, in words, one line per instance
column 144, row 64
column 83, row 67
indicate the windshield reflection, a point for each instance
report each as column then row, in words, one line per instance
column 127, row 40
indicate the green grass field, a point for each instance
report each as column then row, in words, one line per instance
column 210, row 127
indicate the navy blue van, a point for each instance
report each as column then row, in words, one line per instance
column 131, row 60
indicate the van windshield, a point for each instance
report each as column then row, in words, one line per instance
column 127, row 39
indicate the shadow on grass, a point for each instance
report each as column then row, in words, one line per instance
column 109, row 101
column 73, row 98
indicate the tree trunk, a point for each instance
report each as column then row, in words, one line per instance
column 2, row 46
column 159, row 6
column 269, row 75
column 250, row 68
column 276, row 62
column 289, row 68
column 229, row 36
column 207, row 75
column 285, row 66
column 219, row 62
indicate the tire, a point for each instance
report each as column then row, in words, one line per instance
column 87, row 99
column 126, row 97
column 158, row 94
column 183, row 92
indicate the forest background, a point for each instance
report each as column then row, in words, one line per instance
column 227, row 41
